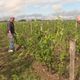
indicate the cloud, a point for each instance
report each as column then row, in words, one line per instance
column 60, row 9
column 13, row 7
column 69, row 1
column 73, row 13
column 57, row 7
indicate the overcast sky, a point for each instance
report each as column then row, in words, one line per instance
column 44, row 7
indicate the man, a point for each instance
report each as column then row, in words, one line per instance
column 11, row 32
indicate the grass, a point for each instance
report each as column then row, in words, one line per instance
column 43, row 41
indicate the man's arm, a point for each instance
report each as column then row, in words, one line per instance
column 8, row 28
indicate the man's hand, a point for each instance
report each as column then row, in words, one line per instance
column 10, row 34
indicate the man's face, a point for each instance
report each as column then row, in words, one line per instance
column 12, row 19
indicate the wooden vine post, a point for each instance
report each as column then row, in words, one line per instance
column 72, row 51
column 31, row 27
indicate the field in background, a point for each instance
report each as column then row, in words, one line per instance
column 42, row 43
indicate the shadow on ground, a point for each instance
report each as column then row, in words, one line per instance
column 14, row 63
